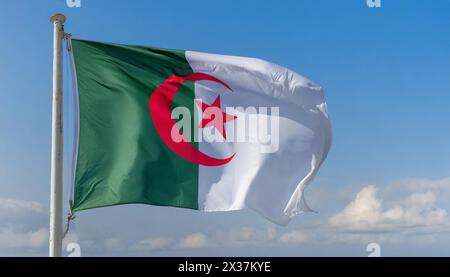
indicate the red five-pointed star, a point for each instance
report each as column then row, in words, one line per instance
column 214, row 116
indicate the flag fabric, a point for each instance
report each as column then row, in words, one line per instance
column 194, row 130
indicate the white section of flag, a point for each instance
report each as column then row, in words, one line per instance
column 272, row 184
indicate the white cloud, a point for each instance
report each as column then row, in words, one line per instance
column 234, row 237
column 408, row 212
column 364, row 211
column 294, row 237
column 12, row 239
column 22, row 225
column 10, row 208
column 114, row 244
column 152, row 244
column 367, row 213
column 247, row 235
column 196, row 240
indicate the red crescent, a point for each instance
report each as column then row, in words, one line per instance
column 160, row 110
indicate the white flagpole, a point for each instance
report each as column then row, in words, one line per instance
column 55, row 239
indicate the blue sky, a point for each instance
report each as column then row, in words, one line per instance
column 386, row 77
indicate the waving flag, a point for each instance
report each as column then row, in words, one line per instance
column 195, row 130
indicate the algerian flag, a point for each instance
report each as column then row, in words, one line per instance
column 194, row 130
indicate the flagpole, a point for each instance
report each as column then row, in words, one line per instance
column 55, row 239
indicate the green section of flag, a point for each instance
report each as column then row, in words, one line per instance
column 121, row 158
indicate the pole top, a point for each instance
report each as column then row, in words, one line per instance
column 58, row 17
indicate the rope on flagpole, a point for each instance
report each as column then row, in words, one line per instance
column 71, row 216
